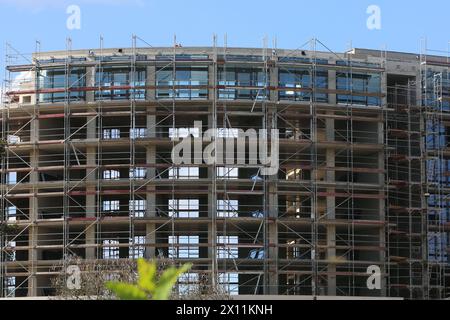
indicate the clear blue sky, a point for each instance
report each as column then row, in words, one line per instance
column 293, row 22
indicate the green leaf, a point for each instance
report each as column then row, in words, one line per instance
column 167, row 281
column 147, row 274
column 125, row 291
column 147, row 283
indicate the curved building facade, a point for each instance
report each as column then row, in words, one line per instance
column 354, row 207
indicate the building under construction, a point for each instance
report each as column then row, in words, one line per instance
column 363, row 179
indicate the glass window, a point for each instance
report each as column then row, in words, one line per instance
column 299, row 83
column 232, row 79
column 11, row 213
column 183, row 247
column 188, row 283
column 183, row 84
column 227, row 208
column 138, row 173
column 110, row 134
column 124, row 84
column 137, row 251
column 10, row 283
column 11, row 251
column 436, row 136
column 437, row 247
column 229, row 282
column 111, row 175
column 227, row 173
column 227, row 247
column 227, row 133
column 184, row 173
column 137, row 208
column 184, row 208
column 179, row 133
column 110, row 249
column 367, row 84
column 111, row 205
column 12, row 139
column 11, row 178
column 434, row 98
column 138, row 133
column 56, row 79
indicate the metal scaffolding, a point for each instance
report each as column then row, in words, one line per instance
column 88, row 173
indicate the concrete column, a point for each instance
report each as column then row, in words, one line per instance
column 33, row 230
column 331, row 178
column 151, row 174
column 272, row 228
column 332, row 99
column 91, row 199
column 151, row 81
column 274, row 81
column 91, row 175
column 211, row 82
column 34, row 159
column 33, row 254
column 90, row 82
column 150, row 238
column 272, row 199
column 212, row 230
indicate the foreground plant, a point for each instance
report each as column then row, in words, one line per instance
column 92, row 277
column 149, row 285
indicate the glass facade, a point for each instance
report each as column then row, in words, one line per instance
column 236, row 83
column 365, row 88
column 437, row 247
column 185, row 83
column 436, row 136
column 434, row 96
column 56, row 79
column 120, row 80
column 297, row 85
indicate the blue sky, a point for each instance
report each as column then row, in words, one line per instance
column 246, row 22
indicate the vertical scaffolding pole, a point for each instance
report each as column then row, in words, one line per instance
column 315, row 256
column 214, row 198
column 425, row 167
column 175, row 169
column 132, row 135
column 441, row 196
column 266, row 209
column 67, row 151
column 99, row 155
column 213, row 205
column 3, row 219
